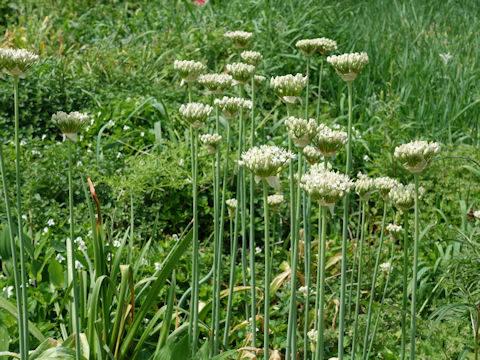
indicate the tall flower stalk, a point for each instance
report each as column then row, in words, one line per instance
column 347, row 66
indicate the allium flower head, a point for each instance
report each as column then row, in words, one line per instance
column 348, row 66
column 386, row 268
column 394, row 229
column 211, row 142
column 189, row 70
column 16, row 62
column 326, row 46
column 216, row 83
column 241, row 72
column 307, row 46
column 231, row 206
column 251, row 57
column 364, row 186
column 403, row 196
column 384, row 185
column 288, row 87
column 265, row 162
column 195, row 113
column 326, row 187
column 274, row 201
column 239, row 39
column 70, row 124
column 329, row 141
column 416, row 155
column 301, row 131
column 312, row 335
column 231, row 106
column 312, row 154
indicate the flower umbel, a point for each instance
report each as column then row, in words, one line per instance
column 307, row 46
column 326, row 46
column 384, row 185
column 216, row 83
column 348, row 66
column 301, row 131
column 70, row 124
column 288, row 87
column 241, row 72
column 195, row 113
column 189, row 70
column 403, row 196
column 274, row 201
column 364, row 186
column 231, row 206
column 252, row 57
column 312, row 154
column 239, row 39
column 16, row 62
column 211, row 142
column 386, row 268
column 416, row 155
column 394, row 229
column 231, row 106
column 329, row 141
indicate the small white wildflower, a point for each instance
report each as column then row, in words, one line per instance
column 142, row 134
column 24, row 217
column 189, row 70
column 312, row 154
column 60, row 258
column 326, row 46
column 307, row 46
column 22, row 142
column 44, row 137
column 119, row 155
column 16, row 62
column 240, row 72
column 301, row 131
column 175, row 237
column 386, row 268
column 312, row 335
column 274, row 201
column 181, row 162
column 394, row 229
column 158, row 266
column 216, row 83
column 364, row 186
column 8, row 290
column 384, row 185
column 231, row 106
column 195, row 113
column 45, row 230
column 258, row 250
column 251, row 57
column 231, row 206
column 288, row 87
column 239, row 39
column 111, row 123
column 70, row 124
column 78, row 265
column 329, row 141
column 303, row 290
column 126, row 127
column 109, row 257
column 348, row 66
column 403, row 196
column 116, row 243
column 416, row 155
column 50, row 222
column 366, row 158
column 36, row 152
column 211, row 142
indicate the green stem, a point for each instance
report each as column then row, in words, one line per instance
column 13, row 247
column 405, row 287
column 357, row 238
column 346, row 205
column 71, row 258
column 307, row 90
column 252, row 228
column 322, row 263
column 320, row 75
column 195, row 267
column 374, row 280
column 267, row 273
column 359, row 279
column 308, row 259
column 413, row 329
column 21, row 240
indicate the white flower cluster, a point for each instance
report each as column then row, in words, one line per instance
column 288, row 87
column 326, row 187
column 265, row 162
column 384, row 185
column 241, row 72
column 258, row 79
column 329, row 141
column 416, row 155
column 275, row 200
column 216, row 83
column 323, row 45
column 231, row 106
column 312, row 154
column 232, row 206
column 70, row 124
column 348, row 66
column 189, row 70
column 251, row 57
column 16, row 62
column 386, row 268
column 476, row 214
column 195, row 113
column 364, row 186
column 394, row 229
column 301, row 131
column 211, row 142
column 403, row 196
column 238, row 38
column 312, row 335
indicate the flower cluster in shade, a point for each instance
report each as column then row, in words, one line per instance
column 216, row 83
column 348, row 66
column 386, row 268
column 231, row 106
column 239, row 39
column 231, row 206
column 16, row 62
column 70, row 123
column 416, row 155
column 329, row 141
column 274, row 201
column 265, row 162
column 258, row 79
column 324, row 186
column 312, row 154
column 240, row 72
column 251, row 57
column 323, row 45
column 394, row 229
column 364, row 186
column 211, row 142
column 195, row 113
column 301, row 131
column 403, row 196
column 189, row 70
column 384, row 185
column 288, row 87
